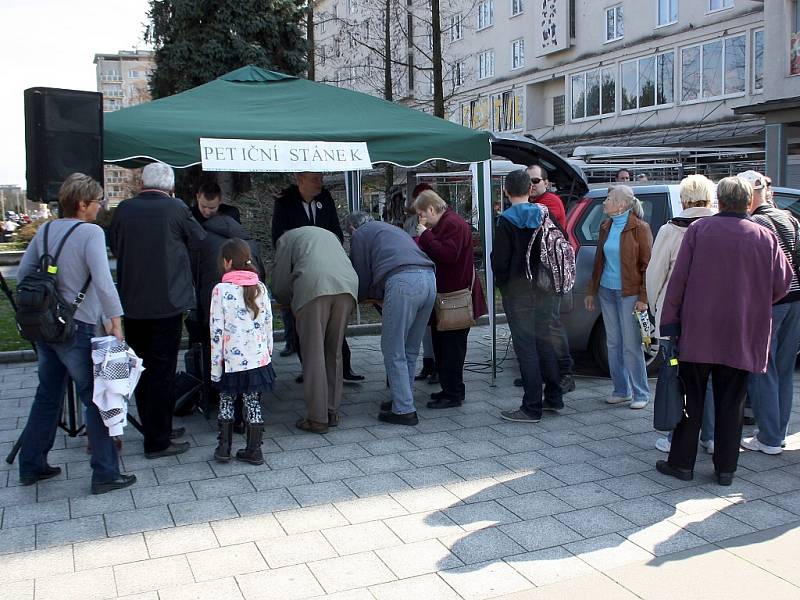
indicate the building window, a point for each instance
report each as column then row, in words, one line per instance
column 517, row 54
column 456, row 29
column 429, row 37
column 351, row 6
column 410, row 73
column 713, row 69
column 714, row 5
column 647, row 82
column 559, row 110
column 516, row 7
column 614, row 26
column 667, row 12
column 594, row 93
column 134, row 74
column 486, row 64
column 485, row 14
column 458, row 74
column 758, row 60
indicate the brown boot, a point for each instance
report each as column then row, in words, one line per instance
column 252, row 453
column 223, row 451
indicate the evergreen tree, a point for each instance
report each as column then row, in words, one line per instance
column 198, row 40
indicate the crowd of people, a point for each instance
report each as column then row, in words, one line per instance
column 172, row 260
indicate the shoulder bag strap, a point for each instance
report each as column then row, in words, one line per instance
column 82, row 293
column 63, row 241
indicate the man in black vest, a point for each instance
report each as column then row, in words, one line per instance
column 307, row 203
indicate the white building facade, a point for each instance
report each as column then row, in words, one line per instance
column 569, row 72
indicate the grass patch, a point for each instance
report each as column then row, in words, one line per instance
column 12, row 246
column 9, row 336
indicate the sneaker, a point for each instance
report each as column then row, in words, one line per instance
column 567, row 384
column 639, row 404
column 518, row 416
column 617, row 400
column 663, row 444
column 708, row 446
column 756, row 446
column 552, row 407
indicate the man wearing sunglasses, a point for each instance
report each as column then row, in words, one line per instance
column 771, row 393
column 540, row 194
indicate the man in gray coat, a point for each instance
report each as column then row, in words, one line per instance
column 313, row 274
column 390, row 266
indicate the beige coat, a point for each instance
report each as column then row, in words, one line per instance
column 310, row 262
column 662, row 260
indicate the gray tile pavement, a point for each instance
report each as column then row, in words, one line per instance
column 464, row 505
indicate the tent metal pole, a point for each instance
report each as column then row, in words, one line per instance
column 482, row 192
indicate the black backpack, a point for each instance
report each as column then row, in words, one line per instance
column 42, row 313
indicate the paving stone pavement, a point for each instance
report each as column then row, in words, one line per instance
column 464, row 505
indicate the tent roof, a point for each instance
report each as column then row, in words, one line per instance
column 253, row 103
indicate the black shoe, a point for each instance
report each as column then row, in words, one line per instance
column 386, row 406
column 407, row 419
column 567, row 384
column 428, row 369
column 664, row 467
column 749, row 420
column 724, row 478
column 172, row 450
column 119, row 483
column 287, row 350
column 350, row 376
column 518, row 382
column 438, row 395
column 177, row 433
column 446, row 402
column 46, row 474
column 552, row 407
column 298, row 379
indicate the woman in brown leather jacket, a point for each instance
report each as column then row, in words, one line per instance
column 618, row 280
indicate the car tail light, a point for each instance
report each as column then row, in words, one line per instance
column 573, row 218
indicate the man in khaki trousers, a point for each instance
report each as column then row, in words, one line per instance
column 313, row 274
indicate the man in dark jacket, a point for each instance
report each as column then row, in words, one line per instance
column 529, row 326
column 208, row 203
column 150, row 235
column 390, row 266
column 307, row 203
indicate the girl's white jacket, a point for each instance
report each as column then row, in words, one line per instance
column 116, row 372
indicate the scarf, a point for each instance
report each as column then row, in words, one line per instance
column 240, row 278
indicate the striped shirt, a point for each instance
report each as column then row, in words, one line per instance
column 787, row 230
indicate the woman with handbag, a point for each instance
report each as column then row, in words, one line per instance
column 618, row 278
column 447, row 239
column 697, row 194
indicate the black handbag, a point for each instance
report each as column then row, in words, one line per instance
column 670, row 400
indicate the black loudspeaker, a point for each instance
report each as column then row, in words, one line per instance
column 63, row 135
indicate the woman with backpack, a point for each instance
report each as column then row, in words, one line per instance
column 72, row 250
column 618, row 280
column 697, row 193
column 241, row 348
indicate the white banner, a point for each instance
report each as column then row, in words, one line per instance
column 255, row 156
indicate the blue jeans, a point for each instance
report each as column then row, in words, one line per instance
column 529, row 316
column 771, row 393
column 57, row 362
column 407, row 303
column 707, row 427
column 624, row 341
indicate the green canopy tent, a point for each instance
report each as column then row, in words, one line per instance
column 258, row 105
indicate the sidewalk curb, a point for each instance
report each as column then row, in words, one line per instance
column 14, row 356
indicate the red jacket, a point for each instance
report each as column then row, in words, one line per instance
column 449, row 245
column 555, row 206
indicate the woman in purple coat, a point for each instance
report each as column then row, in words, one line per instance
column 718, row 305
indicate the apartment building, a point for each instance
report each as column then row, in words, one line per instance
column 123, row 80
column 575, row 72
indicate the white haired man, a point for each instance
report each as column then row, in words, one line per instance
column 150, row 235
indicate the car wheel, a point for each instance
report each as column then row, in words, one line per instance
column 599, row 350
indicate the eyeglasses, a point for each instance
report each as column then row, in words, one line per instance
column 536, row 180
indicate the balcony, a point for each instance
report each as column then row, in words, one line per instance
column 113, row 93
column 111, row 77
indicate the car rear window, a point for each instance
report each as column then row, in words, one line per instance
column 655, row 213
